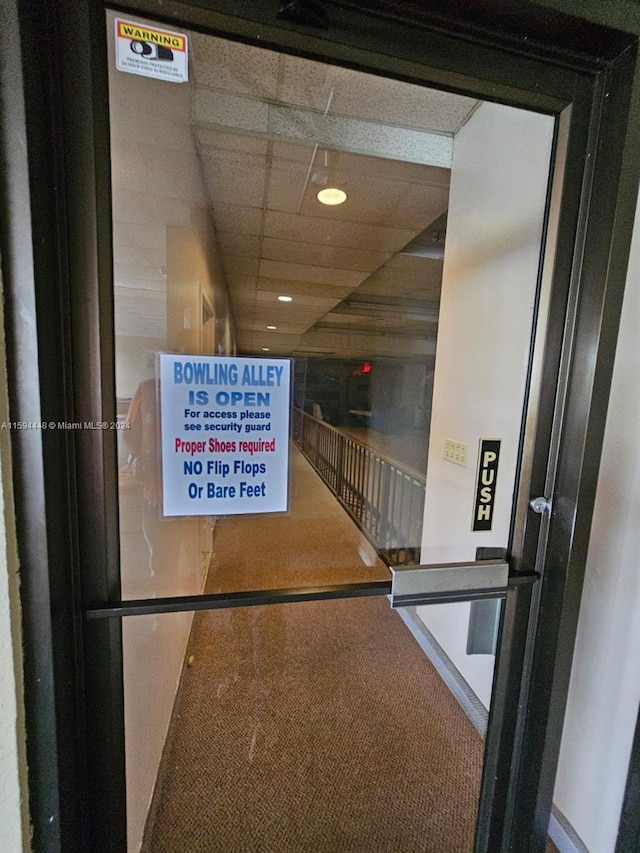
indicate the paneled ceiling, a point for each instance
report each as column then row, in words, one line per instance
column 255, row 135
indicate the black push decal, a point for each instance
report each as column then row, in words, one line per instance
column 486, row 484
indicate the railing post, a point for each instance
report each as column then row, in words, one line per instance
column 340, row 467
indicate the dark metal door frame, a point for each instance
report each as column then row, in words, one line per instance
column 56, row 256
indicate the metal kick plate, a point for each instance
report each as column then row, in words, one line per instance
column 447, row 582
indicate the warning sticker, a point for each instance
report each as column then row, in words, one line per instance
column 151, row 52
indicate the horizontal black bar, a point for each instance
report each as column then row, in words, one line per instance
column 219, row 601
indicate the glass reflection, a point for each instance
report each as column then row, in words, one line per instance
column 221, row 247
column 299, row 724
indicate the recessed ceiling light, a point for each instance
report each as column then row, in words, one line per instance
column 331, row 196
column 266, row 349
column 285, row 298
column 273, row 328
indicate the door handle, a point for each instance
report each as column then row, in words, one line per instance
column 540, row 505
column 441, row 583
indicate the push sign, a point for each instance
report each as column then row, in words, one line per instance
column 486, row 484
column 151, row 52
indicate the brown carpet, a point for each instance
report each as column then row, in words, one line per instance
column 315, row 543
column 316, row 728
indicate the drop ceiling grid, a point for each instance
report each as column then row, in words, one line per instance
column 284, row 191
column 261, row 73
column 234, row 67
column 253, row 112
column 234, row 266
column 355, row 94
column 321, row 255
column 316, row 229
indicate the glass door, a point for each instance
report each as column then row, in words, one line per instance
column 111, row 577
column 326, row 288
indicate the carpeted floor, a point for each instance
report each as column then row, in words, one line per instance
column 314, row 543
column 315, row 728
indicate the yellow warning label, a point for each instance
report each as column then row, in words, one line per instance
column 132, row 31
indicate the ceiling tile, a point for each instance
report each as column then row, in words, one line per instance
column 229, row 111
column 279, row 343
column 244, row 245
column 424, row 273
column 303, row 288
column 383, row 167
column 359, row 136
column 325, row 256
column 244, row 298
column 287, row 182
column 235, row 265
column 300, row 305
column 335, row 232
column 242, row 282
column 402, row 290
column 353, row 93
column 303, row 272
column 377, row 201
column 307, row 84
column 233, row 66
column 283, row 329
column 255, row 143
column 226, row 141
column 238, row 220
column 234, row 178
column 290, row 152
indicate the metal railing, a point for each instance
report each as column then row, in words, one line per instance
column 385, row 498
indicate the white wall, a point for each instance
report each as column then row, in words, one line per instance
column 14, row 822
column 498, row 189
column 605, row 681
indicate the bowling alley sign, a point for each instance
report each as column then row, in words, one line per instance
column 224, row 434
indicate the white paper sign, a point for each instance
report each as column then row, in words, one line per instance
column 224, row 434
column 151, row 52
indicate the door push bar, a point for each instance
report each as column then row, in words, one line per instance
column 448, row 582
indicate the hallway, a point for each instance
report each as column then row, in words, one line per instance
column 314, row 543
column 318, row 726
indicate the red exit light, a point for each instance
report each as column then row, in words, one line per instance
column 366, row 367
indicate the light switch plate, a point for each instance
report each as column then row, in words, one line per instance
column 455, row 451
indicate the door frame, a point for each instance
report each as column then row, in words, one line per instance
column 56, row 264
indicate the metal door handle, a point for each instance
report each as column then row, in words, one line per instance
column 448, row 582
column 540, row 505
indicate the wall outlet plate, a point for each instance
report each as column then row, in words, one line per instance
column 455, row 451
